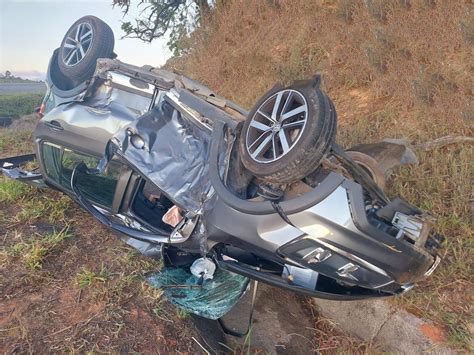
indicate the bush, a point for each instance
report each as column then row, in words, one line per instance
column 19, row 105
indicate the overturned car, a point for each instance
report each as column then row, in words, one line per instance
column 265, row 194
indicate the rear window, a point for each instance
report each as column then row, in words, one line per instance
column 60, row 162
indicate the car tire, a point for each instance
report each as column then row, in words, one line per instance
column 287, row 134
column 88, row 39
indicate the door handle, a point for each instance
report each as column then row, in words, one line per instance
column 54, row 125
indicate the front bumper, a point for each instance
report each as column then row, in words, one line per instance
column 342, row 244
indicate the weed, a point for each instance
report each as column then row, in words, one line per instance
column 150, row 293
column 15, row 142
column 133, row 260
column 13, row 191
column 18, row 248
column 158, row 309
column 346, row 9
column 51, row 208
column 44, row 246
column 181, row 313
column 458, row 336
column 375, row 57
column 86, row 277
column 378, row 9
column 423, row 90
column 405, row 4
column 467, row 30
column 430, row 3
column 387, row 39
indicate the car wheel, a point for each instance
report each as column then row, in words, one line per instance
column 287, row 133
column 88, row 39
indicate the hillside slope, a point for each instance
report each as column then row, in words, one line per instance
column 399, row 69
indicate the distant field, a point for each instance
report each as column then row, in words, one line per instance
column 21, row 88
column 19, row 104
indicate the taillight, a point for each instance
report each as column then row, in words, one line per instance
column 42, row 109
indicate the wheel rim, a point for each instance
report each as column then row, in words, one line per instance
column 276, row 126
column 77, row 44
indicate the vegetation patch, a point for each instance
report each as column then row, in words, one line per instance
column 19, row 105
column 87, row 277
column 13, row 191
column 43, row 246
column 15, row 143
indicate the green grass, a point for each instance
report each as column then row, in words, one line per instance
column 87, row 277
column 40, row 248
column 52, row 208
column 19, row 105
column 34, row 203
column 182, row 313
column 12, row 143
column 11, row 191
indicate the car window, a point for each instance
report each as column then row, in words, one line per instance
column 99, row 189
column 52, row 160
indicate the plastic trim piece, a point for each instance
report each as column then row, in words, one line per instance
column 419, row 260
column 279, row 282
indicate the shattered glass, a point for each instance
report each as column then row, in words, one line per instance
column 213, row 299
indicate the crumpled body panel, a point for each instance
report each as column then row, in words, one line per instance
column 172, row 153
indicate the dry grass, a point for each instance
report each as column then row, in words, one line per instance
column 79, row 289
column 400, row 69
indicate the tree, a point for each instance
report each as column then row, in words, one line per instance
column 159, row 17
column 8, row 74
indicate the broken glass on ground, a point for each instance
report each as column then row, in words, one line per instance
column 209, row 298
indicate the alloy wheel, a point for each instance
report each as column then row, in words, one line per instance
column 276, row 126
column 77, row 44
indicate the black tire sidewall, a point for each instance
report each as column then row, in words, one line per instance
column 102, row 46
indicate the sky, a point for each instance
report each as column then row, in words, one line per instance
column 31, row 29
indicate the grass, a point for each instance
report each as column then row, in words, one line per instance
column 19, row 105
column 35, row 204
column 87, row 277
column 43, row 246
column 12, row 191
column 52, row 208
column 20, row 142
column 182, row 313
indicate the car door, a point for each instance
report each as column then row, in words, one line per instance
column 104, row 190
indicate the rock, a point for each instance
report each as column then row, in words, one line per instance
column 359, row 318
column 393, row 329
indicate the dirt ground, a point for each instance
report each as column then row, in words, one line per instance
column 47, row 310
